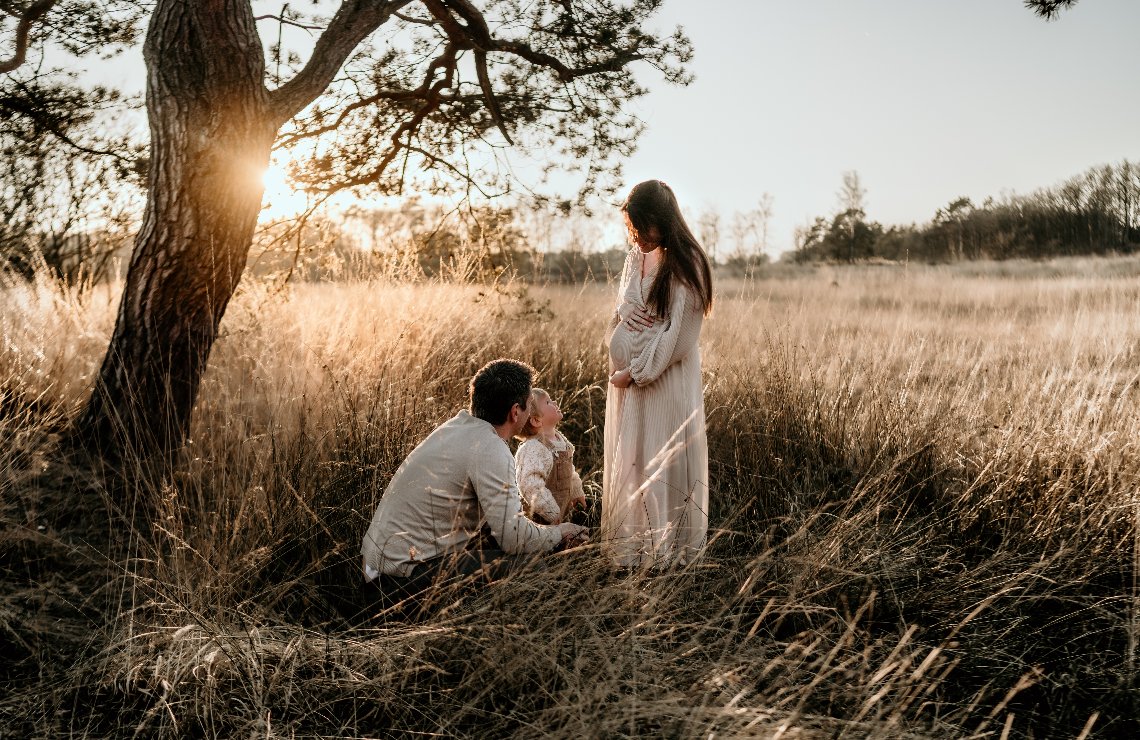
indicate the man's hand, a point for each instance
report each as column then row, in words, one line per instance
column 621, row 379
column 578, row 503
column 573, row 535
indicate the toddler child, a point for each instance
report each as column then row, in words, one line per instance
column 544, row 465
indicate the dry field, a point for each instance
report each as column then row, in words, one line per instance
column 924, row 502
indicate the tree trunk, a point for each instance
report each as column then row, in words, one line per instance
column 211, row 133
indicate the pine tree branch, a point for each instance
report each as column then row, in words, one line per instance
column 34, row 12
column 353, row 22
column 286, row 22
column 1049, row 9
column 429, row 91
column 474, row 34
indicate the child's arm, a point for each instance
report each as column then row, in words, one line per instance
column 533, row 463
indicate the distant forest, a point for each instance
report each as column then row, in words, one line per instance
column 1094, row 213
column 74, row 215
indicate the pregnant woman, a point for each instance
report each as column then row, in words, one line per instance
column 655, row 481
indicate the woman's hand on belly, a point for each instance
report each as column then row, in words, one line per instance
column 638, row 319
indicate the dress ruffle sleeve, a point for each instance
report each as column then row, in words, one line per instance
column 632, row 266
column 679, row 337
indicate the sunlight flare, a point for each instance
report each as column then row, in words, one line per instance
column 283, row 198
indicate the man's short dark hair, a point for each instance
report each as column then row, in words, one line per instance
column 498, row 386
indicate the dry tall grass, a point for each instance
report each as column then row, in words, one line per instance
column 924, row 503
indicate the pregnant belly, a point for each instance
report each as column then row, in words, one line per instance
column 626, row 344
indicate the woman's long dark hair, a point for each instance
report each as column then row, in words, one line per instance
column 652, row 203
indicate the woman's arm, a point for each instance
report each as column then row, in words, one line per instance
column 674, row 341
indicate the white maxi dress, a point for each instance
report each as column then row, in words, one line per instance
column 655, row 481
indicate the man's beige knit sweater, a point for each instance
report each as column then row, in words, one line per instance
column 460, row 476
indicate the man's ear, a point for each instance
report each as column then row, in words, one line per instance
column 513, row 416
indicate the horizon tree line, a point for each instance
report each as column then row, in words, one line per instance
column 1096, row 212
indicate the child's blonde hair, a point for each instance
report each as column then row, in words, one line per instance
column 528, row 429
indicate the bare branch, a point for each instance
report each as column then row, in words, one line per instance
column 433, row 160
column 475, row 20
column 290, row 139
column 428, row 90
column 55, row 131
column 517, row 79
column 477, row 24
column 489, row 93
column 34, row 12
column 566, row 74
column 408, row 128
column 475, row 35
column 27, row 107
column 413, row 19
column 480, row 39
column 478, row 36
column 287, row 22
column 353, row 22
column 451, row 27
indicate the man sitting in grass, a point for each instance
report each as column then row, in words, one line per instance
column 452, row 510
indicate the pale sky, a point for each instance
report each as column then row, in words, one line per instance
column 927, row 99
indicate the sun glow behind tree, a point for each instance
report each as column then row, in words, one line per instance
column 284, row 197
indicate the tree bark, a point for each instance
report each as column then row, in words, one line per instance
column 211, row 128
